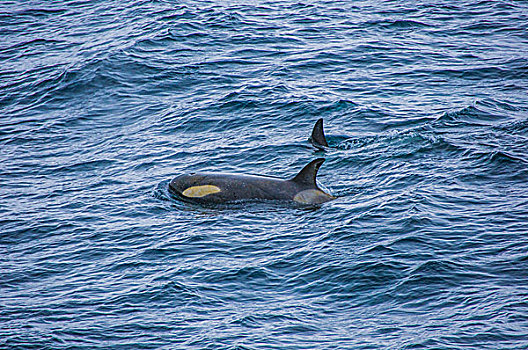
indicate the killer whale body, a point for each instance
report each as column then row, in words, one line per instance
column 215, row 188
column 318, row 138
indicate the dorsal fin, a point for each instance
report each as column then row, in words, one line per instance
column 307, row 175
column 318, row 138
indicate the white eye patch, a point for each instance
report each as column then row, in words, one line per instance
column 200, row 191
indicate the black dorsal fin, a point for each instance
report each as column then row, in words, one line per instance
column 318, row 138
column 308, row 174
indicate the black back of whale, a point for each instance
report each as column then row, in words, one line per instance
column 234, row 187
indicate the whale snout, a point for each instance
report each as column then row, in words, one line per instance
column 186, row 184
column 179, row 183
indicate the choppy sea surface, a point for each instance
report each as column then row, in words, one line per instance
column 425, row 107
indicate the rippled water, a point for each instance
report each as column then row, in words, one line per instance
column 426, row 112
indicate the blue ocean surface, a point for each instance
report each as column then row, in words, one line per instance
column 425, row 106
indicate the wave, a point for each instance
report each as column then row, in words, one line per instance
column 398, row 24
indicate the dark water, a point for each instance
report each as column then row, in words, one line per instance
column 425, row 105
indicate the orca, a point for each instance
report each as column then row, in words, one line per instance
column 214, row 188
column 318, row 138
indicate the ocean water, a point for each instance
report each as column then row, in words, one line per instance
column 425, row 107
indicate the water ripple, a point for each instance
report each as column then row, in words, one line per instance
column 425, row 112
